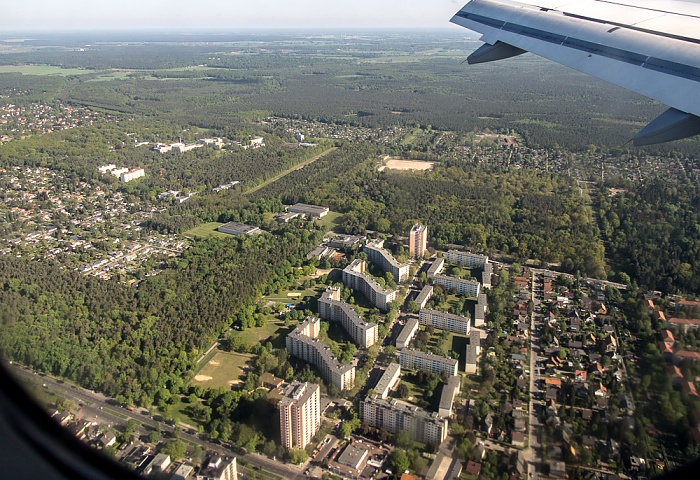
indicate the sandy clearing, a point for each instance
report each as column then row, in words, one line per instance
column 395, row 164
column 202, row 378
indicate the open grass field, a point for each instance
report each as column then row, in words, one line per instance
column 331, row 221
column 206, row 230
column 43, row 70
column 273, row 331
column 223, row 370
column 290, row 170
column 295, row 296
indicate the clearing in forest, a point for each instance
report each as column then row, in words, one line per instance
column 394, row 163
column 224, row 369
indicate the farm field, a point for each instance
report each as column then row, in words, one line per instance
column 43, row 70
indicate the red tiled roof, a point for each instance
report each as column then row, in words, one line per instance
column 684, row 321
column 688, row 354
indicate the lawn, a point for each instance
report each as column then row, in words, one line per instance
column 224, row 370
column 330, row 221
column 43, row 70
column 206, row 230
column 273, row 331
column 295, row 296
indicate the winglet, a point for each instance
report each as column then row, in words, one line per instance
column 497, row 51
column 670, row 125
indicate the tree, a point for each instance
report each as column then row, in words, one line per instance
column 402, row 390
column 399, row 461
column 403, row 439
column 176, row 448
column 154, row 437
column 297, row 456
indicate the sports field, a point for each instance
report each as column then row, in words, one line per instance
column 224, row 370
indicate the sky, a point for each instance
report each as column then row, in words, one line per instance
column 31, row 15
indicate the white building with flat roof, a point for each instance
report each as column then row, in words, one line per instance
column 468, row 259
column 473, row 351
column 330, row 307
column 300, row 414
column 354, row 276
column 447, row 397
column 417, row 241
column 303, row 343
column 407, row 333
column 132, row 175
column 377, row 254
column 428, row 362
column 460, row 285
column 444, row 321
column 395, row 415
column 389, row 380
column 311, row 211
column 425, row 294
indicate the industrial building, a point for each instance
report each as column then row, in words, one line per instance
column 235, row 228
column 310, row 211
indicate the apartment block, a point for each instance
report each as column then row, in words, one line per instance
column 425, row 294
column 389, row 379
column 460, row 285
column 300, row 414
column 444, row 321
column 330, row 307
column 468, row 259
column 132, row 175
column 354, row 276
column 217, row 467
column 377, row 254
column 417, row 241
column 394, row 415
column 436, row 267
column 428, row 362
column 407, row 333
column 473, row 352
column 486, row 275
column 480, row 310
column 302, row 342
column 447, row 398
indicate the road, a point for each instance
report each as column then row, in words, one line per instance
column 97, row 407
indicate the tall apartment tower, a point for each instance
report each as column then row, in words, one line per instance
column 418, row 241
column 300, row 414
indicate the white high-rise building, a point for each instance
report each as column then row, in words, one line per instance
column 418, row 241
column 300, row 414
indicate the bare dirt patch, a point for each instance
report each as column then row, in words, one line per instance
column 400, row 164
column 202, row 378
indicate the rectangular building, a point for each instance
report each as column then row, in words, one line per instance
column 460, row 285
column 389, row 379
column 394, row 415
column 311, row 211
column 417, row 241
column 330, row 307
column 218, row 467
column 486, row 275
column 428, row 362
column 447, row 397
column 377, row 254
column 235, row 228
column 303, row 343
column 425, row 294
column 354, row 276
column 473, row 352
column 480, row 310
column 300, row 414
column 407, row 333
column 444, row 321
column 468, row 259
column 436, row 267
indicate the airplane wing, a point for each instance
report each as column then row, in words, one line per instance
column 649, row 47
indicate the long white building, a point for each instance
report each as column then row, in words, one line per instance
column 444, row 321
column 300, row 414
column 330, row 307
column 471, row 260
column 354, row 276
column 394, row 415
column 449, row 392
column 460, row 285
column 407, row 333
column 473, row 352
column 428, row 362
column 303, row 342
column 377, row 254
column 390, row 378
